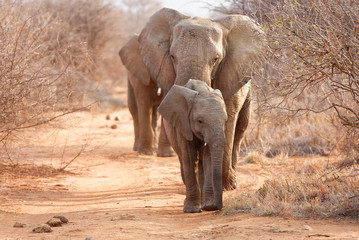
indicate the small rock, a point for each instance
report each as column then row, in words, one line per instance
column 62, row 218
column 19, row 225
column 308, row 228
column 114, row 126
column 279, row 231
column 90, row 238
column 108, row 117
column 117, row 118
column 43, row 228
column 54, row 222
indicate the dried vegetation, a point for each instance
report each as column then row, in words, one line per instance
column 52, row 55
column 306, row 103
column 59, row 57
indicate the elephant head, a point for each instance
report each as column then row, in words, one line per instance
column 199, row 111
column 224, row 53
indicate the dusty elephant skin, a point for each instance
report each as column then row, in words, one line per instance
column 224, row 53
column 194, row 118
column 143, row 100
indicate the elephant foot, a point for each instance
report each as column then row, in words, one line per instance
column 169, row 153
column 190, row 207
column 165, row 151
column 145, row 151
column 136, row 147
column 210, row 205
column 230, row 183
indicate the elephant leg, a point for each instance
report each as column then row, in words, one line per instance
column 145, row 109
column 192, row 203
column 132, row 106
column 164, row 147
column 237, row 107
column 182, row 170
column 146, row 132
column 171, row 134
column 228, row 173
column 242, row 124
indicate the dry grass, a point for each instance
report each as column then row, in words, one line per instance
column 318, row 189
column 253, row 157
column 272, row 133
column 30, row 170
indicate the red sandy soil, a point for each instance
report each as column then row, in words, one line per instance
column 111, row 192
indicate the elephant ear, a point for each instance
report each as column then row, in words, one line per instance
column 155, row 40
column 244, row 53
column 175, row 108
column 132, row 59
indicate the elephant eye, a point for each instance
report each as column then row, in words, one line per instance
column 215, row 59
column 199, row 120
column 172, row 57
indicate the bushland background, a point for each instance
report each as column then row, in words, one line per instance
column 61, row 57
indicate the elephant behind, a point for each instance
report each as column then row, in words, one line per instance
column 143, row 99
column 194, row 120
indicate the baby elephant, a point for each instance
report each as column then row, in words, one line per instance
column 194, row 121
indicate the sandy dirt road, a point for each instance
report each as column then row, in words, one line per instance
column 110, row 192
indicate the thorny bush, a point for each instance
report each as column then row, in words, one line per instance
column 311, row 83
column 52, row 53
column 313, row 64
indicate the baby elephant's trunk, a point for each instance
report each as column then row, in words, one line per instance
column 216, row 151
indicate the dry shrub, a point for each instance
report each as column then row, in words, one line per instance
column 91, row 32
column 313, row 67
column 350, row 149
column 317, row 190
column 308, row 135
column 28, row 80
column 58, row 57
column 52, row 55
column 306, row 102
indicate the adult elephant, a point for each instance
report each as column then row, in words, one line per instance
column 143, row 100
column 224, row 53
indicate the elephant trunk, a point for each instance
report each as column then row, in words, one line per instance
column 216, row 151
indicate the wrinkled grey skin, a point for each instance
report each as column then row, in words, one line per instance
column 194, row 120
column 143, row 100
column 224, row 53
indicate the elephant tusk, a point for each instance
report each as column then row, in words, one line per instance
column 205, row 144
column 159, row 91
